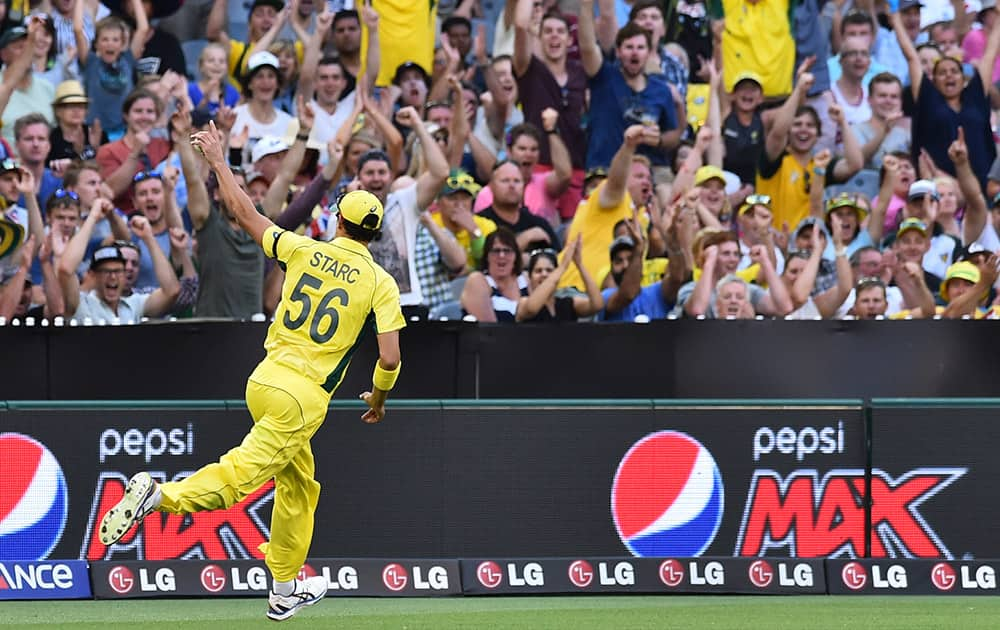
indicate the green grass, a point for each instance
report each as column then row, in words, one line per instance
column 534, row 613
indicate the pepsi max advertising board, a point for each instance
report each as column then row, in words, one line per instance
column 934, row 480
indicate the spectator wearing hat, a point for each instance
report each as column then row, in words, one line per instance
column 945, row 103
column 542, row 189
column 455, row 214
column 108, row 69
column 162, row 51
column 265, row 20
column 413, row 83
column 267, row 155
column 851, row 210
column 542, row 306
column 743, row 127
column 21, row 215
column 755, row 222
column 107, row 301
column 28, row 94
column 802, row 270
column 258, row 117
column 72, row 138
column 612, row 201
column 787, row 167
column 964, row 279
column 714, row 209
column 887, row 130
column 136, row 151
column 628, row 298
column 649, row 102
column 549, row 78
column 912, row 244
column 922, row 204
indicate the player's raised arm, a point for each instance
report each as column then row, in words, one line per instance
column 210, row 145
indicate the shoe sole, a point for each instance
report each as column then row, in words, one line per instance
column 291, row 611
column 124, row 514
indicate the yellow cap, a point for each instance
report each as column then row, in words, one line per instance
column 963, row 270
column 362, row 208
column 708, row 172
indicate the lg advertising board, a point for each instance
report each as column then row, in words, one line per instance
column 500, row 481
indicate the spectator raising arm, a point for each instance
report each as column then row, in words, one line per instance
column 215, row 29
column 613, row 191
column 75, row 249
column 631, row 284
column 975, row 216
column 430, row 181
column 776, row 302
column 968, row 302
column 817, row 184
column 558, row 178
column 277, row 192
column 910, row 52
column 853, row 159
column 522, row 36
column 777, row 136
column 141, row 32
column 162, row 299
column 452, row 253
column 590, row 50
column 20, row 67
column 210, row 143
column 830, row 300
column 373, row 55
column 198, row 203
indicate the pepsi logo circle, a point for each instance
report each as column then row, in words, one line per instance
column 671, row 573
column 489, row 574
column 213, row 578
column 33, row 499
column 395, row 577
column 854, row 576
column 667, row 496
column 581, row 573
column 943, row 576
column 121, row 580
column 760, row 573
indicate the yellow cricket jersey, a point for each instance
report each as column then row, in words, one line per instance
column 333, row 292
column 475, row 255
column 788, row 187
column 406, row 32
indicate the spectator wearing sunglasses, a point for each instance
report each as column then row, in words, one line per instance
column 455, row 214
column 755, row 221
column 155, row 201
column 107, row 300
column 493, row 293
column 851, row 210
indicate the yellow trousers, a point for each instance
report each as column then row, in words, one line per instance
column 287, row 410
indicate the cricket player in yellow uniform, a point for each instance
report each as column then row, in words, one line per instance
column 333, row 291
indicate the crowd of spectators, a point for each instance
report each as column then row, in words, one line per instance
column 538, row 160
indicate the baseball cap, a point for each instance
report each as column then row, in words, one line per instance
column 460, row 181
column 912, row 224
column 360, row 207
column 260, row 60
column 748, row 75
column 973, row 249
column 105, row 254
column 267, row 145
column 708, row 172
column 409, row 65
column 845, row 200
column 922, row 187
column 11, row 236
column 8, row 164
column 963, row 270
column 12, row 35
column 252, row 176
column 597, row 171
column 754, row 200
column 277, row 4
column 909, row 4
column 985, row 5
column 620, row 243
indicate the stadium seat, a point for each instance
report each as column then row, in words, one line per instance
column 864, row 181
column 457, row 285
column 448, row 310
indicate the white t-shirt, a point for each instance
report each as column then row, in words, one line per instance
column 130, row 309
column 395, row 250
column 853, row 114
column 809, row 310
column 745, row 261
column 279, row 127
column 326, row 125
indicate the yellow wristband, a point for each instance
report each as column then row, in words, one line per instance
column 385, row 379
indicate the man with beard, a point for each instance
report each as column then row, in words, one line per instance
column 628, row 299
column 508, row 210
column 395, row 250
column 107, row 301
column 621, row 95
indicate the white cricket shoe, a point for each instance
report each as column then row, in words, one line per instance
column 307, row 592
column 138, row 502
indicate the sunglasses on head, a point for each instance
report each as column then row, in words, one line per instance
column 65, row 194
column 142, row 176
